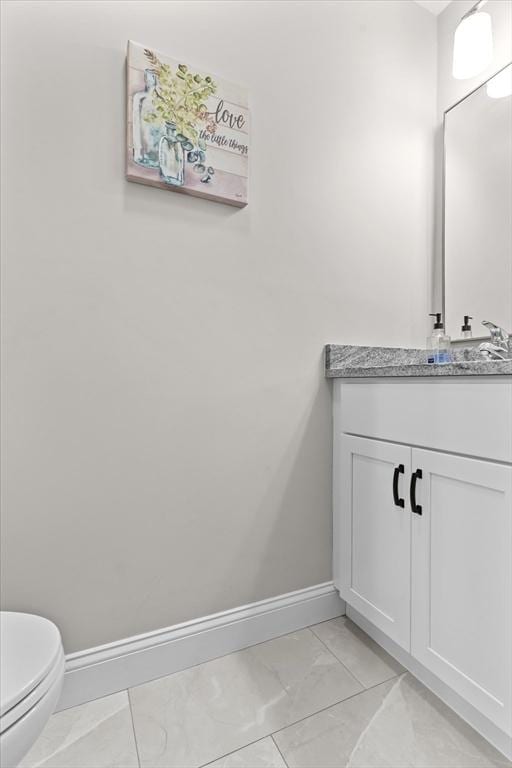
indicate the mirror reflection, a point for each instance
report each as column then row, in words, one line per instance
column 478, row 208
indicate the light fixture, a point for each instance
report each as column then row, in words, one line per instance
column 501, row 84
column 472, row 44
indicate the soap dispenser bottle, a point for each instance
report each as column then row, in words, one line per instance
column 438, row 343
column 466, row 328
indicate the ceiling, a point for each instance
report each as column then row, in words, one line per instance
column 434, row 6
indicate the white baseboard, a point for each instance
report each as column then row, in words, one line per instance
column 466, row 711
column 106, row 669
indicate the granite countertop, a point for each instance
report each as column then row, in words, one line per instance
column 344, row 360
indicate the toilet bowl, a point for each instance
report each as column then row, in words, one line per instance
column 31, row 675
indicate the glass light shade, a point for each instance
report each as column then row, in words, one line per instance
column 472, row 45
column 501, row 84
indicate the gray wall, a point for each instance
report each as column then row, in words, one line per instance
column 167, row 424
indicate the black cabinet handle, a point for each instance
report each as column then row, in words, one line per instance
column 400, row 470
column 416, row 508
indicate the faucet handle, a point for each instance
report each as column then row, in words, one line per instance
column 491, row 351
column 498, row 335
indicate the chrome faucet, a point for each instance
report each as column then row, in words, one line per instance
column 500, row 345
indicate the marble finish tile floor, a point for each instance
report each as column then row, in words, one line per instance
column 320, row 697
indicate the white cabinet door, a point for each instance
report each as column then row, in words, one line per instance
column 374, row 530
column 462, row 578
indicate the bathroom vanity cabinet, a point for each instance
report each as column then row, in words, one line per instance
column 423, row 530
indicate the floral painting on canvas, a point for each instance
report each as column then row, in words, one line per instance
column 187, row 130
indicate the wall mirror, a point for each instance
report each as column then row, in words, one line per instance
column 477, row 209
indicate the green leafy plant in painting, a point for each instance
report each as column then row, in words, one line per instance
column 180, row 98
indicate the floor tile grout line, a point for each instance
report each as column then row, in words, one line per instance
column 294, row 722
column 340, row 661
column 277, row 747
column 335, row 704
column 234, row 751
column 391, row 677
column 327, row 621
column 133, row 727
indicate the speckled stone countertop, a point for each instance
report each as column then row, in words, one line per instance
column 343, row 360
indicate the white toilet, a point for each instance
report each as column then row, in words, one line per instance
column 31, row 675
